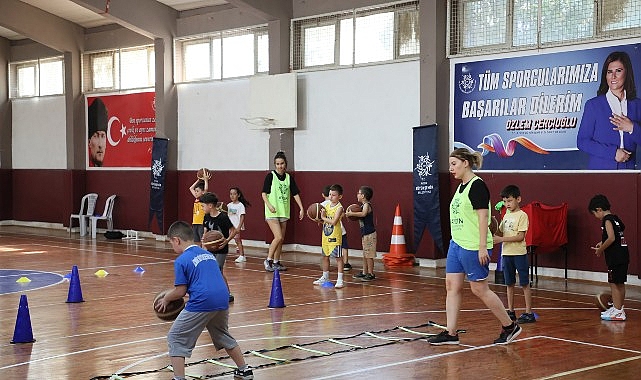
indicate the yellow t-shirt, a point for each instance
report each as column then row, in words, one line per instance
column 199, row 212
column 332, row 235
column 511, row 225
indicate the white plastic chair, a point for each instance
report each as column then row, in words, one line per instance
column 87, row 207
column 106, row 215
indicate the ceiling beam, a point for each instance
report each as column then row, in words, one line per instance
column 40, row 26
column 267, row 10
column 147, row 17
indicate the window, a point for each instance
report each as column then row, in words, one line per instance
column 487, row 26
column 226, row 54
column 41, row 77
column 359, row 36
column 120, row 69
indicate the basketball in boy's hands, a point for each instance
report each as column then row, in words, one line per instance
column 355, row 207
column 313, row 212
column 603, row 300
column 494, row 227
column 211, row 240
column 204, row 174
column 173, row 308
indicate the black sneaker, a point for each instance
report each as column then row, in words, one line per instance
column 508, row 334
column 347, row 267
column 527, row 318
column 231, row 297
column 359, row 275
column 512, row 315
column 246, row 374
column 443, row 338
column 368, row 277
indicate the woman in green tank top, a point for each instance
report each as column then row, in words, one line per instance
column 469, row 250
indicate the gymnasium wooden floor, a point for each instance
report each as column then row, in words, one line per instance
column 365, row 331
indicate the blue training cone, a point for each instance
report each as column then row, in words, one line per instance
column 23, row 332
column 276, row 299
column 75, row 293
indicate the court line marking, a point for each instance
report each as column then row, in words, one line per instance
column 472, row 348
column 584, row 369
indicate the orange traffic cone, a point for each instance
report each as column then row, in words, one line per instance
column 398, row 256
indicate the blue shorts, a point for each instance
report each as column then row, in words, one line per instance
column 344, row 242
column 512, row 264
column 461, row 260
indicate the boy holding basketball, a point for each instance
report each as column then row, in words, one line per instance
column 197, row 274
column 511, row 233
column 346, row 265
column 331, row 215
column 215, row 220
column 368, row 232
column 197, row 189
column 615, row 250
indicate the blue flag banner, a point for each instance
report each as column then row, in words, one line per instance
column 157, row 191
column 427, row 212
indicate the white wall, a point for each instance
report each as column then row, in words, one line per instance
column 39, row 133
column 210, row 130
column 357, row 119
column 348, row 120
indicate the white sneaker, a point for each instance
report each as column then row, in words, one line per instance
column 616, row 315
column 321, row 281
column 339, row 284
column 240, row 259
column 607, row 313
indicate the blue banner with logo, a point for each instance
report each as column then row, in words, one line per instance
column 543, row 111
column 427, row 211
column 157, row 191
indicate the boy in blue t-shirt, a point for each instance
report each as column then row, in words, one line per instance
column 197, row 273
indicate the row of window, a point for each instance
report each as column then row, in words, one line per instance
column 359, row 36
column 484, row 26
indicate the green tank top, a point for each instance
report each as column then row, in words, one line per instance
column 464, row 221
column 279, row 197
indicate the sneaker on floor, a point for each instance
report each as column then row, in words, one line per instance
column 231, row 297
column 512, row 315
column 606, row 313
column 359, row 275
column 526, row 318
column 508, row 334
column 321, row 281
column 280, row 266
column 268, row 267
column 443, row 338
column 347, row 267
column 616, row 315
column 246, row 374
column 240, row 259
column 339, row 284
column 368, row 277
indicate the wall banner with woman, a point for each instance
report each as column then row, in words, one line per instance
column 570, row 110
column 120, row 130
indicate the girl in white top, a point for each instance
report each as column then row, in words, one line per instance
column 236, row 213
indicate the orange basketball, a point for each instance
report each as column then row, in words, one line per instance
column 494, row 227
column 173, row 309
column 212, row 239
column 203, row 173
column 355, row 207
column 313, row 212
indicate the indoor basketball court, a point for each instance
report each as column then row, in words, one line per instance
column 366, row 330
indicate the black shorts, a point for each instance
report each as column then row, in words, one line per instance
column 618, row 274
